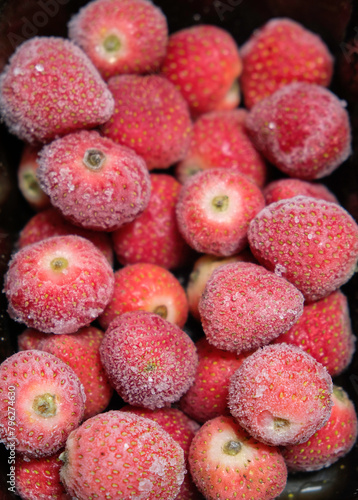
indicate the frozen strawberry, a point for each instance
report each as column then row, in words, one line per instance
column 122, row 455
column 244, row 307
column 303, row 129
column 30, row 339
column 281, row 395
column 312, row 243
column 214, row 210
column 146, row 287
column 51, row 88
column 204, row 63
column 125, row 36
column 330, row 443
column 324, row 331
column 94, row 182
column 348, row 67
column 85, row 361
column 43, row 399
column 151, row 117
column 27, row 179
column 149, row 361
column 281, row 52
column 288, row 188
column 202, row 270
column 207, row 397
column 50, row 222
column 219, row 139
column 227, row 463
column 59, row 284
column 154, row 236
column 39, row 478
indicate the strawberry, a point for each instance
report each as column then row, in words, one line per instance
column 149, row 288
column 122, row 455
column 45, row 397
column 203, row 62
column 207, row 396
column 154, row 236
column 219, row 139
column 51, row 88
column 39, row 478
column 331, row 442
column 94, row 182
column 85, row 361
column 324, row 331
column 149, row 361
column 281, row 395
column 227, row 463
column 244, row 307
column 30, row 339
column 348, row 67
column 50, row 222
column 27, row 180
column 282, row 189
column 303, row 129
column 59, row 284
column 126, row 36
column 214, row 210
column 281, row 52
column 151, row 117
column 312, row 243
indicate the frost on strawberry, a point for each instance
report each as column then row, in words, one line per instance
column 282, row 189
column 27, row 179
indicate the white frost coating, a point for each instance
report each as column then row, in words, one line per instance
column 310, row 236
column 279, row 269
column 271, row 126
column 18, row 72
column 145, row 485
column 158, row 466
column 39, row 68
column 297, row 220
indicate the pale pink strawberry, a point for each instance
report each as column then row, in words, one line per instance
column 281, row 395
column 282, row 189
column 51, row 88
column 312, row 243
column 126, row 36
column 30, row 339
column 151, row 117
column 27, row 179
column 95, row 183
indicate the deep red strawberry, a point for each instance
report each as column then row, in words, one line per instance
column 30, row 339
column 215, row 208
column 51, row 88
column 219, row 139
column 203, row 62
column 312, row 243
column 281, row 52
column 281, row 395
column 331, row 442
column 151, row 117
column 303, row 129
column 125, row 36
column 94, row 182
column 227, row 463
column 27, row 179
column 288, row 188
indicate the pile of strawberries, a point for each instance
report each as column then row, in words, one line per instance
column 102, row 114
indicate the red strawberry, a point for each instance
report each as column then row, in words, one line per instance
column 303, row 129
column 312, row 243
column 59, row 284
column 125, row 36
column 331, row 442
column 324, row 331
column 207, row 397
column 204, row 63
column 149, row 361
column 30, row 339
column 288, row 188
column 50, row 222
column 85, row 361
column 122, row 455
column 215, row 208
column 94, row 182
column 39, row 478
column 244, row 307
column 45, row 400
column 154, row 236
column 150, row 117
column 219, row 139
column 149, row 288
column 27, row 180
column 51, row 88
column 281, row 395
column 227, row 463
column 281, row 52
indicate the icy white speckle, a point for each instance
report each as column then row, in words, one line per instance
column 297, row 220
column 39, row 68
column 145, row 485
column 18, row 71
column 310, row 236
column 279, row 269
column 158, row 466
column 343, row 103
column 271, row 126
